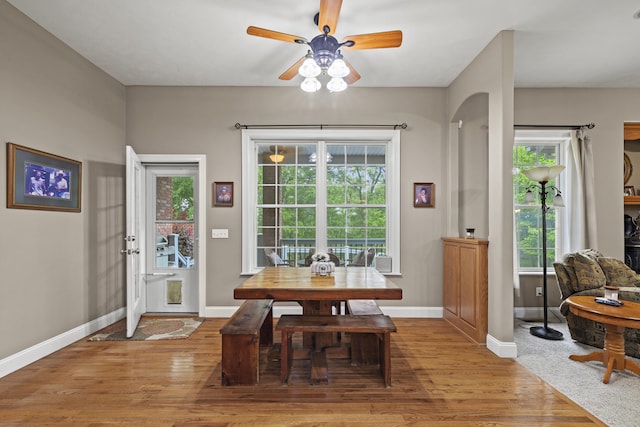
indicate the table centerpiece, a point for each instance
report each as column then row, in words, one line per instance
column 322, row 268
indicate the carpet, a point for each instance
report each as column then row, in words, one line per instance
column 615, row 403
column 151, row 329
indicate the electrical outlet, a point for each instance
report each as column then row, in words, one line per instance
column 219, row 233
column 539, row 291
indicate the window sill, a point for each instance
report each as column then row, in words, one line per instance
column 550, row 272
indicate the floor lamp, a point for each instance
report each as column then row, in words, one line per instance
column 542, row 175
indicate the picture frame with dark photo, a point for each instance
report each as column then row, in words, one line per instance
column 223, row 193
column 42, row 181
column 424, row 194
column 629, row 190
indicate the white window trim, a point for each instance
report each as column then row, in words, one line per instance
column 250, row 137
column 561, row 181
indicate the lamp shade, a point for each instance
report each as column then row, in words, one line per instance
column 276, row 157
column 528, row 197
column 543, row 173
column 557, row 201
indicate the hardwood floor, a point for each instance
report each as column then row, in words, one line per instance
column 438, row 379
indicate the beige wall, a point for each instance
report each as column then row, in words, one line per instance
column 200, row 120
column 59, row 269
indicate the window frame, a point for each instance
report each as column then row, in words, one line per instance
column 560, row 139
column 252, row 137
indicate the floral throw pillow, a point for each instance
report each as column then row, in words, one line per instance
column 588, row 272
column 618, row 273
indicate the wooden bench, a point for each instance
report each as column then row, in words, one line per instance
column 363, row 307
column 364, row 347
column 380, row 325
column 250, row 327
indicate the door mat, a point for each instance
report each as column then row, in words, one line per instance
column 150, row 329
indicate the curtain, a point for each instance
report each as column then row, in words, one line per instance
column 580, row 232
column 516, row 260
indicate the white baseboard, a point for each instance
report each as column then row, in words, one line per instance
column 226, row 311
column 507, row 350
column 27, row 356
column 414, row 312
column 536, row 313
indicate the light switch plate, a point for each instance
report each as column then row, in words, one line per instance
column 219, row 233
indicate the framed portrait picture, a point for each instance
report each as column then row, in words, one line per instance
column 424, row 194
column 629, row 190
column 223, row 194
column 42, row 181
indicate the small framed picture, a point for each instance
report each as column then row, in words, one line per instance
column 223, row 194
column 424, row 194
column 629, row 190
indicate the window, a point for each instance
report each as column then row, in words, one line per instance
column 174, row 223
column 308, row 190
column 531, row 149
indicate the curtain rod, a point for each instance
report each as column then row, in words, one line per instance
column 588, row 126
column 319, row 126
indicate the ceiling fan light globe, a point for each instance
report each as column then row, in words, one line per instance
column 309, row 68
column 336, row 84
column 338, row 69
column 310, row 84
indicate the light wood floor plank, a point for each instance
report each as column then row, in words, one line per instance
column 438, row 379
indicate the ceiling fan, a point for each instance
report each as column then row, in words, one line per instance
column 324, row 56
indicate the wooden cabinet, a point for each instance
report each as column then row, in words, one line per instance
column 465, row 280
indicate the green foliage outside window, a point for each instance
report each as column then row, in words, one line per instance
column 528, row 216
column 182, row 204
column 355, row 195
column 182, row 197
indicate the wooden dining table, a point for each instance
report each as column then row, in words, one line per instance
column 318, row 296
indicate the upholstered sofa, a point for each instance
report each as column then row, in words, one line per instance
column 586, row 272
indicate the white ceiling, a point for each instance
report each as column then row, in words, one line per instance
column 558, row 43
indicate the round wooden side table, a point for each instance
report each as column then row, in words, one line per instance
column 615, row 320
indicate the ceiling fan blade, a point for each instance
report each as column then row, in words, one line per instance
column 375, row 40
column 353, row 75
column 329, row 12
column 293, row 70
column 269, row 34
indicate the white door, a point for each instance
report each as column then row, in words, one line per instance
column 134, row 250
column 172, row 229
